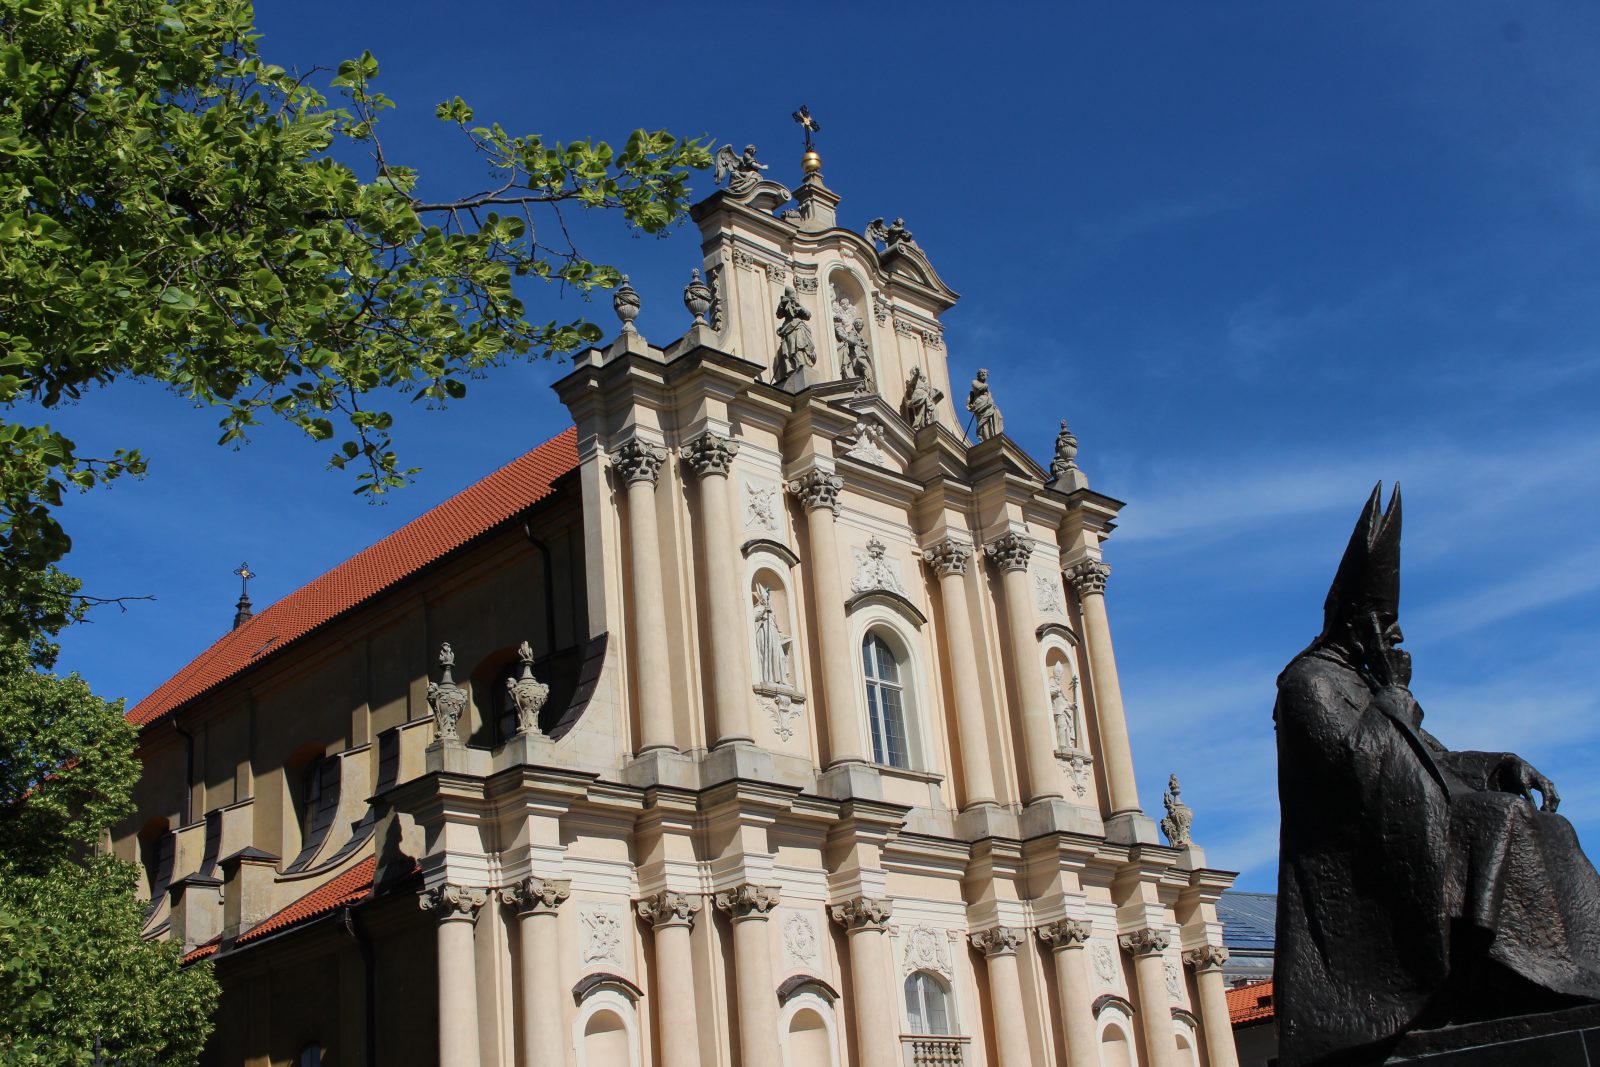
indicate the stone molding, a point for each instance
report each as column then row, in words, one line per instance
column 1206, row 957
column 453, row 902
column 1065, row 933
column 638, row 461
column 862, row 913
column 1088, row 577
column 998, row 941
column 668, row 908
column 948, row 557
column 747, row 901
column 539, row 896
column 816, row 488
column 711, row 453
column 1146, row 942
column 1010, row 552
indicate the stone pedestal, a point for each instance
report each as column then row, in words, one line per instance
column 1568, row 1038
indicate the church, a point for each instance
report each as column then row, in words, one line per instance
column 757, row 717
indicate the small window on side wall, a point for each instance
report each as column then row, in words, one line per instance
column 886, row 701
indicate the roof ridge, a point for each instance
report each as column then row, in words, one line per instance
column 443, row 528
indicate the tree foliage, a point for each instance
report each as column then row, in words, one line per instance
column 177, row 210
column 172, row 210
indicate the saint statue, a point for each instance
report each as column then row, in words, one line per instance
column 921, row 397
column 980, row 401
column 772, row 644
column 796, row 349
column 1064, row 709
column 854, row 358
column 1416, row 886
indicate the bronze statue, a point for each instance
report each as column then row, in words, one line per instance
column 1417, row 886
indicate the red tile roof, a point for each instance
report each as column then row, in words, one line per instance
column 1250, row 1003
column 427, row 538
column 351, row 887
column 200, row 952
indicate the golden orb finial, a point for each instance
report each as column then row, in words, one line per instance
column 811, row 163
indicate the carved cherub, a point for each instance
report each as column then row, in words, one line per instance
column 741, row 172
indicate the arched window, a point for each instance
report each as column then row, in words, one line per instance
column 927, row 1003
column 886, row 701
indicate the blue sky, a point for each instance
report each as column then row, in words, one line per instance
column 1260, row 256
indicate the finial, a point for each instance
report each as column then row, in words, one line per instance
column 697, row 297
column 1179, row 817
column 242, row 612
column 1066, row 454
column 626, row 303
column 811, row 162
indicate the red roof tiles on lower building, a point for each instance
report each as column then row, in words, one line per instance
column 474, row 511
column 1250, row 1003
column 351, row 887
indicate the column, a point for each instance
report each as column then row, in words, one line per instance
column 671, row 916
column 1149, row 948
column 638, row 464
column 1207, row 961
column 1067, row 939
column 949, row 559
column 999, row 948
column 710, row 456
column 864, row 919
column 1011, row 554
column 1089, row 578
column 539, row 1027
column 819, row 492
column 747, row 906
column 457, row 910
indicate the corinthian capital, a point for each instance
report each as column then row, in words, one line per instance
column 1010, row 552
column 541, row 896
column 1206, row 957
column 948, row 557
column 1146, row 942
column 1064, row 933
column 711, row 453
column 637, row 461
column 667, row 908
column 453, row 902
column 998, row 941
column 747, row 901
column 862, row 913
column 816, row 488
column 1089, row 576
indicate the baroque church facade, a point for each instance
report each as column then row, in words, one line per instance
column 760, row 717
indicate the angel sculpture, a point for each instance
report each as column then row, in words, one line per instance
column 743, row 173
column 891, row 235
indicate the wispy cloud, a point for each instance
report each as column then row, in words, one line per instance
column 1159, row 215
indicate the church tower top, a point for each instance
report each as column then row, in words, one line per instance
column 814, row 303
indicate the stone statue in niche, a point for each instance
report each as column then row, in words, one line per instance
column 1417, row 886
column 1064, row 705
column 796, row 349
column 980, row 401
column 849, row 330
column 772, row 644
column 741, row 172
column 1179, row 815
column 919, row 406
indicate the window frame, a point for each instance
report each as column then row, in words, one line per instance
column 921, row 979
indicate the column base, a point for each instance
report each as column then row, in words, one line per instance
column 1052, row 815
column 1132, row 828
column 662, row 767
column 980, row 821
column 853, row 780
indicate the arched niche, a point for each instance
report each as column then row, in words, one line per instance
column 808, row 1032
column 605, row 1030
column 848, row 310
column 772, row 632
